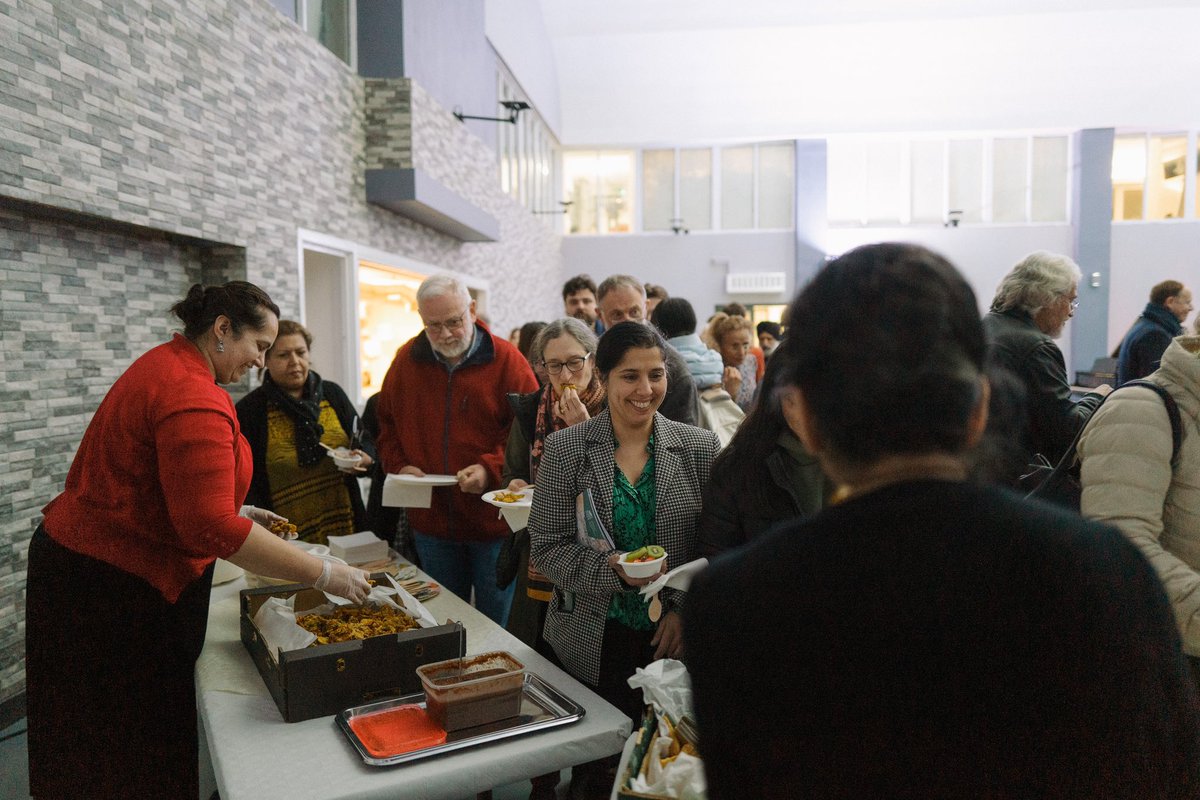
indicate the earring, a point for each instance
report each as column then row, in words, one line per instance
column 220, row 345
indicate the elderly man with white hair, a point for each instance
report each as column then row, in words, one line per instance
column 443, row 409
column 1031, row 307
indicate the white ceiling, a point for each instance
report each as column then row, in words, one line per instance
column 680, row 71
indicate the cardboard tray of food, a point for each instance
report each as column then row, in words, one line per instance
column 542, row 707
column 321, row 681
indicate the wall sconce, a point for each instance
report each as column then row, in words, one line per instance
column 677, row 226
column 514, row 107
column 952, row 218
column 566, row 206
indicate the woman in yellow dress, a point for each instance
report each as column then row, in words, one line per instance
column 286, row 421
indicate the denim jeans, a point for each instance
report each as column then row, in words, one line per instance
column 461, row 566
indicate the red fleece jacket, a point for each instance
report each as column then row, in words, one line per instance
column 441, row 422
column 160, row 475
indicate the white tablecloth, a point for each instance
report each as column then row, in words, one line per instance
column 255, row 755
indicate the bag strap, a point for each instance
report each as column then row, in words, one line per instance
column 1172, row 414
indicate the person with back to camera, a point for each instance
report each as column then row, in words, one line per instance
column 121, row 566
column 676, row 319
column 645, row 474
column 1162, row 320
column 1133, row 479
column 730, row 336
column 763, row 476
column 565, row 350
column 1032, row 304
column 286, row 421
column 940, row 639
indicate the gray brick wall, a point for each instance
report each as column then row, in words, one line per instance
column 193, row 138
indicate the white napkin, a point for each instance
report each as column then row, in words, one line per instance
column 405, row 494
column 666, row 685
column 678, row 578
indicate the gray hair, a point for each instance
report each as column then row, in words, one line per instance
column 614, row 281
column 440, row 285
column 1035, row 282
column 569, row 326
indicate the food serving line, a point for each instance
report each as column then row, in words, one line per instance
column 247, row 750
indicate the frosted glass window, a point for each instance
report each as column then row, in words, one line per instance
column 580, row 188
column 737, row 187
column 885, row 193
column 846, row 181
column 1165, row 174
column 776, row 185
column 616, row 171
column 1128, row 176
column 1196, row 179
column 927, row 170
column 1010, row 170
column 658, row 189
column 966, row 179
column 1050, row 173
column 695, row 188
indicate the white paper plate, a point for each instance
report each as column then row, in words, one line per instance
column 427, row 480
column 525, row 502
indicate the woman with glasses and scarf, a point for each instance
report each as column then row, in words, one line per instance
column 286, row 421
column 565, row 352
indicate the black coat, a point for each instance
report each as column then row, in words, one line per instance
column 1142, row 348
column 940, row 640
column 252, row 416
column 1017, row 345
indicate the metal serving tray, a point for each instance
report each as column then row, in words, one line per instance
column 542, row 707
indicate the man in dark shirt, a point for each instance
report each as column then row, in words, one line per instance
column 1142, row 348
column 622, row 298
column 1031, row 307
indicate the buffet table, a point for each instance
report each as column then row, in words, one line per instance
column 248, row 751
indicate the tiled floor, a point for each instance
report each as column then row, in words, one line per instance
column 14, row 777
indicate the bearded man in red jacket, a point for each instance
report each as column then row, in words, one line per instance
column 442, row 410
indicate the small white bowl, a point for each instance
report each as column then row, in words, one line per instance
column 344, row 459
column 641, row 569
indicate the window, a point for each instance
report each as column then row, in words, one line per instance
column 695, row 188
column 330, row 22
column 1150, row 177
column 879, row 181
column 757, row 186
column 737, row 187
column 658, row 189
column 525, row 157
column 599, row 185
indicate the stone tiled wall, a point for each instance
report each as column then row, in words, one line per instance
column 191, row 139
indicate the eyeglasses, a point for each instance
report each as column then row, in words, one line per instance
column 1074, row 304
column 453, row 325
column 572, row 365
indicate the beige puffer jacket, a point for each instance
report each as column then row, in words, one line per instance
column 1128, row 481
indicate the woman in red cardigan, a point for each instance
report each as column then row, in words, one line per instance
column 120, row 568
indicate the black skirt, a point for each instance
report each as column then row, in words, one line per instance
column 109, row 671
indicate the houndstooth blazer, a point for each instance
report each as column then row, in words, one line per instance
column 582, row 457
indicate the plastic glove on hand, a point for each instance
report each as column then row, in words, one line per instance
column 343, row 581
column 269, row 520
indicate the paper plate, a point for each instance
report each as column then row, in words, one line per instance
column 427, row 480
column 526, row 500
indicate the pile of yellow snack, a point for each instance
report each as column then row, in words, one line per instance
column 356, row 622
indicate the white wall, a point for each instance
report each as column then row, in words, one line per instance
column 691, row 266
column 758, row 80
column 1143, row 254
column 983, row 254
column 517, row 30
